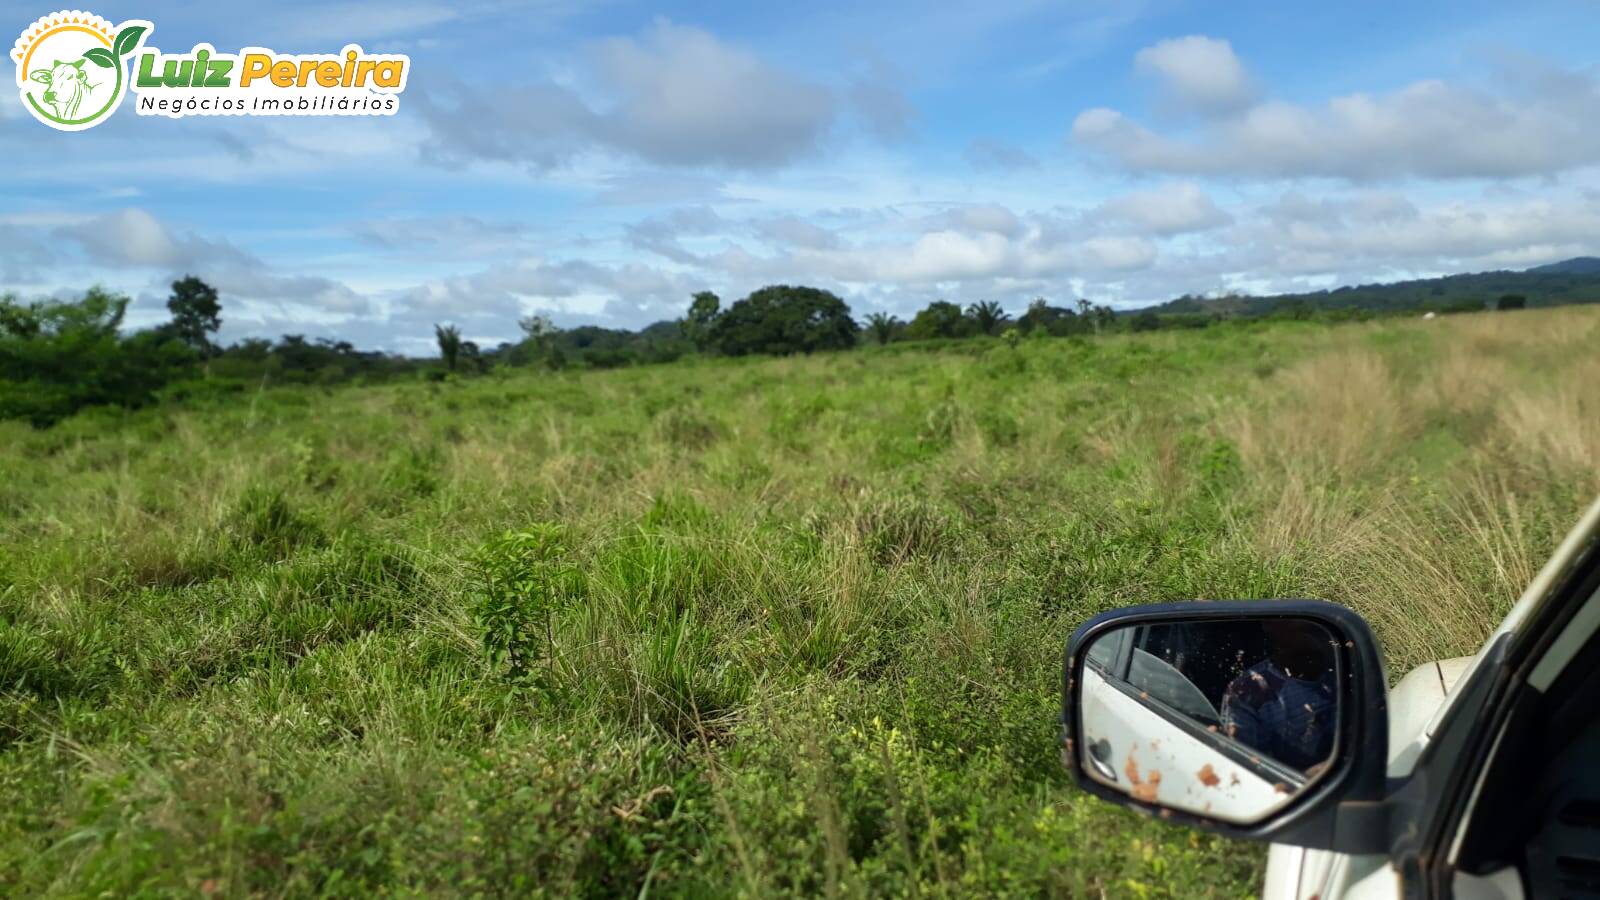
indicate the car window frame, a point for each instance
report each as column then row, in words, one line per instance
column 1456, row 834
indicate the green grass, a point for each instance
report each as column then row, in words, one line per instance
column 758, row 626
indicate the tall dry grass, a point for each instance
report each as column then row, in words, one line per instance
column 1404, row 473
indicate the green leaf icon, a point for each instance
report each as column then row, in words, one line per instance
column 100, row 56
column 127, row 39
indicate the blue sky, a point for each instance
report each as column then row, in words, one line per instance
column 600, row 162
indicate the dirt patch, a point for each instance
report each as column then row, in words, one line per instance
column 1145, row 788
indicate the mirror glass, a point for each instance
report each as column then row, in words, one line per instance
column 1228, row 719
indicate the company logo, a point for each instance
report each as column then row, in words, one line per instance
column 73, row 69
column 70, row 68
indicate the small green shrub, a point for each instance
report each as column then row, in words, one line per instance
column 1220, row 467
column 523, row 579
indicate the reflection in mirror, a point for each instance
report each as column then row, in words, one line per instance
column 1229, row 719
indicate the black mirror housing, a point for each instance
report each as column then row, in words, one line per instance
column 1343, row 809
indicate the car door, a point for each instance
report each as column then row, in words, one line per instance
column 1468, row 779
column 1499, row 794
column 1512, row 774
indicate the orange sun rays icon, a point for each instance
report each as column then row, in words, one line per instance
column 56, row 23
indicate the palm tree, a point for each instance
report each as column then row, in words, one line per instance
column 449, row 338
column 1104, row 318
column 882, row 326
column 987, row 314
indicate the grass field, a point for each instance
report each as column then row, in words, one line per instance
column 724, row 627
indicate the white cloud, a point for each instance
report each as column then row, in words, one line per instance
column 323, row 295
column 1167, row 210
column 1198, row 72
column 972, row 243
column 1348, row 233
column 675, row 96
column 1147, row 246
column 981, row 217
column 1431, row 129
column 942, row 256
column 1115, row 253
column 662, row 235
column 793, row 231
column 443, row 236
column 1136, row 248
column 575, row 291
column 686, row 97
column 133, row 237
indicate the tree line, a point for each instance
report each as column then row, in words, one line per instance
column 59, row 356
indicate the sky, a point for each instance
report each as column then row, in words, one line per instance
column 599, row 163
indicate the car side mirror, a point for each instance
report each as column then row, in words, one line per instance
column 1260, row 719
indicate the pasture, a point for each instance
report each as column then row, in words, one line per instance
column 724, row 626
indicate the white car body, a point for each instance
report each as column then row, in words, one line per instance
column 1142, row 746
column 1295, row 873
column 1417, row 704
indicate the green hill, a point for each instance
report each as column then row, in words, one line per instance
column 1557, row 284
column 1578, row 265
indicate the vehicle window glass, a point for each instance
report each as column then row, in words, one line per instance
column 1168, row 666
column 1163, row 681
column 1105, row 652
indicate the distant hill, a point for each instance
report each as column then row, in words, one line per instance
column 1578, row 265
column 1570, row 281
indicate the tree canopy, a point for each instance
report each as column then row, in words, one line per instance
column 1052, row 320
column 58, row 356
column 940, row 319
column 882, row 326
column 781, row 319
column 987, row 315
column 449, row 340
column 704, row 309
column 196, row 313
